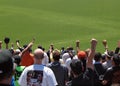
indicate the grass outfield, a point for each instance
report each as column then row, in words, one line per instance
column 60, row 22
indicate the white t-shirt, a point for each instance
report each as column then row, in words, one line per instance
column 67, row 63
column 37, row 75
column 45, row 60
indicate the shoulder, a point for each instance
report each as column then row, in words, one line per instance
column 47, row 69
column 68, row 61
column 48, row 72
column 48, row 65
column 104, row 63
column 64, row 66
column 28, row 67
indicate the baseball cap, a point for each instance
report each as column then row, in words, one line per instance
column 109, row 54
column 6, row 63
column 81, row 54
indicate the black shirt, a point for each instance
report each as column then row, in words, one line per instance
column 112, row 75
column 60, row 71
column 4, row 85
column 86, row 79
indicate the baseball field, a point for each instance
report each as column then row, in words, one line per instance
column 60, row 22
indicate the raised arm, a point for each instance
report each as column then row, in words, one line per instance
column 7, row 40
column 51, row 52
column 77, row 46
column 27, row 48
column 12, row 46
column 105, row 45
column 91, row 54
column 117, row 48
column 18, row 45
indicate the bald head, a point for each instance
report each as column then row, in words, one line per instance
column 39, row 54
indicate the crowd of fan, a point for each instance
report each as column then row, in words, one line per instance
column 54, row 67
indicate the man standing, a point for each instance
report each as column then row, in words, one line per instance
column 112, row 75
column 86, row 78
column 30, row 74
column 60, row 71
column 6, row 68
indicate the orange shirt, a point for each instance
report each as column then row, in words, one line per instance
column 27, row 59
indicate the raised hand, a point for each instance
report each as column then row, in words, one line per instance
column 77, row 43
column 93, row 43
column 105, row 44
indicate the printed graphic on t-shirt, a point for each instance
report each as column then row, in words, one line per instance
column 34, row 78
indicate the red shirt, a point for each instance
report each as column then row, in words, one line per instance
column 27, row 59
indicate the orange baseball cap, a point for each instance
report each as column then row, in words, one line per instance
column 81, row 55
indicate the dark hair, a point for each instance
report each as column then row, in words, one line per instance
column 17, row 59
column 6, row 40
column 103, row 56
column 62, row 48
column 56, row 55
column 40, row 47
column 97, row 56
column 76, row 66
column 25, row 45
column 116, row 59
column 11, row 51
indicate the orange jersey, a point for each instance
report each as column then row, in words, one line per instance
column 27, row 59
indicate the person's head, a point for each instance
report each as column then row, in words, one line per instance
column 81, row 55
column 25, row 45
column 97, row 56
column 38, row 55
column 109, row 55
column 76, row 66
column 56, row 55
column 62, row 48
column 40, row 47
column 17, row 59
column 65, row 56
column 6, row 65
column 116, row 59
column 17, row 51
column 103, row 58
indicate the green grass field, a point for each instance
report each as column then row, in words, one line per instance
column 60, row 22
